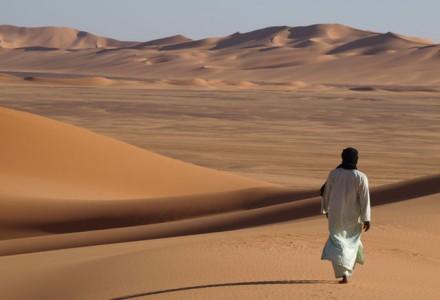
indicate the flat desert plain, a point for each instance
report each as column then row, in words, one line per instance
column 292, row 138
column 130, row 187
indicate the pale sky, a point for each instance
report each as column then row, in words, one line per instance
column 144, row 20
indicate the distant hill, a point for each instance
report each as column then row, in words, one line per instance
column 54, row 38
column 320, row 53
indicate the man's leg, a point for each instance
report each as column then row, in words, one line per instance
column 341, row 272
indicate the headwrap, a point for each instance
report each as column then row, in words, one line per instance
column 349, row 158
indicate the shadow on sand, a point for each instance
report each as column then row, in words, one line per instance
column 223, row 285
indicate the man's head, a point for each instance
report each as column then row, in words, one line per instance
column 349, row 157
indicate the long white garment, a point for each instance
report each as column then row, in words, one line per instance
column 346, row 199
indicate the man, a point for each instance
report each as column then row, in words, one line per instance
column 346, row 203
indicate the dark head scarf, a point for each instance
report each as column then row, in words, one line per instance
column 349, row 158
column 349, row 161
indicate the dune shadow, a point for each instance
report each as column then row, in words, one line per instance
column 244, row 283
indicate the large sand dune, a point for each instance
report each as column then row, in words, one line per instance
column 43, row 154
column 83, row 180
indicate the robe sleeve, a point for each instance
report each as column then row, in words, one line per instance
column 326, row 195
column 364, row 199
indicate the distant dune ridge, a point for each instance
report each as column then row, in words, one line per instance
column 171, row 40
column 315, row 54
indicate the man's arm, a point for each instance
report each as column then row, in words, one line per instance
column 325, row 196
column 364, row 200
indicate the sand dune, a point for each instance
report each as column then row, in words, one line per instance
column 287, row 36
column 53, row 38
column 378, row 43
column 197, row 214
column 59, row 161
column 329, row 33
column 318, row 54
column 61, row 164
column 263, row 37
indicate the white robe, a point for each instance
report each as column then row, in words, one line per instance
column 346, row 199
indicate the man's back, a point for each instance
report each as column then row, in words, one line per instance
column 347, row 199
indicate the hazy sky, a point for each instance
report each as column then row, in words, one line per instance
column 148, row 19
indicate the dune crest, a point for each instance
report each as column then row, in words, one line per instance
column 246, row 209
column 378, row 43
column 170, row 40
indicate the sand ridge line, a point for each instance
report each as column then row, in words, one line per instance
column 206, row 224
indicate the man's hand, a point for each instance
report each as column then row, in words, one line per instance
column 366, row 225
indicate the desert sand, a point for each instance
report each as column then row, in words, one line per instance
column 190, row 169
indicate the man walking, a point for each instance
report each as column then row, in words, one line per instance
column 346, row 203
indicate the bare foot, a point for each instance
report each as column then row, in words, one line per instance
column 344, row 280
